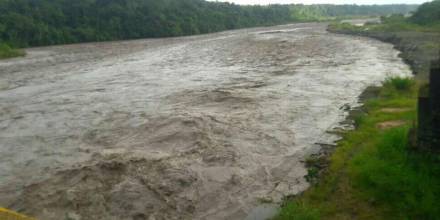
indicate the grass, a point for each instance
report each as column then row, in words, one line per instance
column 298, row 211
column 404, row 183
column 7, row 52
column 373, row 173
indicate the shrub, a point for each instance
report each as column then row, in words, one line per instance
column 7, row 52
column 400, row 83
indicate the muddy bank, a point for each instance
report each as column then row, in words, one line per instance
column 203, row 127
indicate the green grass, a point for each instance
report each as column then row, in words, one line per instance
column 298, row 211
column 7, row 52
column 405, row 183
column 373, row 173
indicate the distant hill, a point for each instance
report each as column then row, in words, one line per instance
column 26, row 23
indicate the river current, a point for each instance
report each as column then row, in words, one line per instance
column 200, row 127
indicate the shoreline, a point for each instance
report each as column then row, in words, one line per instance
column 349, row 180
column 318, row 161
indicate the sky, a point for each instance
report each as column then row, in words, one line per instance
column 359, row 2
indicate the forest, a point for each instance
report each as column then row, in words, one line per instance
column 427, row 14
column 26, row 23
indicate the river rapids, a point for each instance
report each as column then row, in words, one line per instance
column 199, row 127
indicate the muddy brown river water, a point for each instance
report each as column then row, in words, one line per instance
column 201, row 127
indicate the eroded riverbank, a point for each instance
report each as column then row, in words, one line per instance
column 202, row 127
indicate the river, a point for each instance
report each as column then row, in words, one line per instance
column 199, row 127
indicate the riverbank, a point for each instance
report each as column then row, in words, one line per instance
column 373, row 173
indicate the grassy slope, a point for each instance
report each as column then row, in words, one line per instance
column 373, row 174
column 8, row 52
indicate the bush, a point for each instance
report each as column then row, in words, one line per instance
column 400, row 83
column 7, row 52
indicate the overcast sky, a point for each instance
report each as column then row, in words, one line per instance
column 359, row 2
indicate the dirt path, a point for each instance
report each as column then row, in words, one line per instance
column 202, row 127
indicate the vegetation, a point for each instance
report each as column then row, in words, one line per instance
column 298, row 211
column 427, row 14
column 26, row 23
column 394, row 23
column 425, row 19
column 7, row 52
column 400, row 83
column 330, row 12
column 374, row 174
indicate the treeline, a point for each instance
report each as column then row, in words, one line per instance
column 26, row 23
column 425, row 19
column 45, row 22
column 427, row 14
